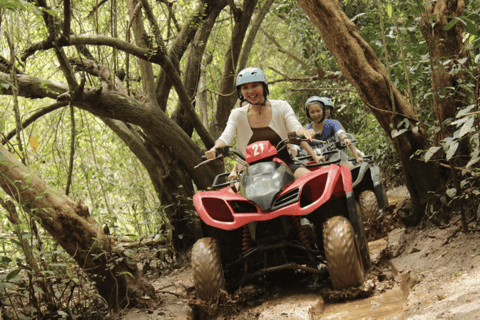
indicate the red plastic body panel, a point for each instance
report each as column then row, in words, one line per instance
column 316, row 188
column 259, row 150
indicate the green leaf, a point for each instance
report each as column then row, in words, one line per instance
column 6, row 259
column 464, row 111
column 465, row 128
column 62, row 313
column 13, row 274
column 472, row 161
column 38, row 289
column 26, row 236
column 430, row 153
column 452, row 148
column 443, row 200
column 11, row 4
column 451, row 24
column 64, row 265
column 389, row 10
column 471, row 28
column 451, row 192
column 396, row 133
column 16, row 242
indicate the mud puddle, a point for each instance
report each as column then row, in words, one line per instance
column 388, row 305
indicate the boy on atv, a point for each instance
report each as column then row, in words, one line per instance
column 327, row 128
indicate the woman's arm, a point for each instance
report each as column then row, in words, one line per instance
column 210, row 154
column 227, row 136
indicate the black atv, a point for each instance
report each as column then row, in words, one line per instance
column 366, row 177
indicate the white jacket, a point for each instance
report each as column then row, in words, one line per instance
column 283, row 121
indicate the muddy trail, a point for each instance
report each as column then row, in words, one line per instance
column 431, row 273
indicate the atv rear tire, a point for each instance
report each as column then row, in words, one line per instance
column 208, row 275
column 369, row 205
column 342, row 254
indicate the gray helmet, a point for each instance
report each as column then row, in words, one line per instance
column 315, row 100
column 249, row 75
column 328, row 103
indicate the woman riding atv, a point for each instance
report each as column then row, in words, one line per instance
column 329, row 129
column 261, row 119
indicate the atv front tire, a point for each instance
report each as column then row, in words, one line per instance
column 342, row 254
column 207, row 269
column 368, row 204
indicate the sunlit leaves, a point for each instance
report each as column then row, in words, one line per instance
column 464, row 111
column 12, row 4
column 430, row 152
column 450, row 147
column 396, row 133
column 389, row 10
column 465, row 128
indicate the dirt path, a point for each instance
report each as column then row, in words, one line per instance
column 417, row 274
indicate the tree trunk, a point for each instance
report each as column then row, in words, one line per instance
column 70, row 224
column 368, row 75
column 194, row 63
column 446, row 50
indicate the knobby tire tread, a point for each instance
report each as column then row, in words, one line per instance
column 207, row 269
column 342, row 254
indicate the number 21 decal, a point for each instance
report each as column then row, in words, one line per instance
column 255, row 149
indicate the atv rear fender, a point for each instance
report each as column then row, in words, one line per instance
column 368, row 178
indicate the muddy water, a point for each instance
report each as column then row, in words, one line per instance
column 301, row 300
column 388, row 305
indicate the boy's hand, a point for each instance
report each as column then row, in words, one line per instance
column 319, row 159
column 233, row 175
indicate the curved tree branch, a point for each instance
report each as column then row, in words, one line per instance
column 226, row 101
column 110, row 104
column 67, row 18
column 6, row 67
column 180, row 45
column 252, row 34
column 155, row 57
column 191, row 75
column 40, row 113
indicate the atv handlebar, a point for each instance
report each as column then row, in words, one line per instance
column 223, row 152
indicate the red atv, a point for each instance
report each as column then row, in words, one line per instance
column 274, row 222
